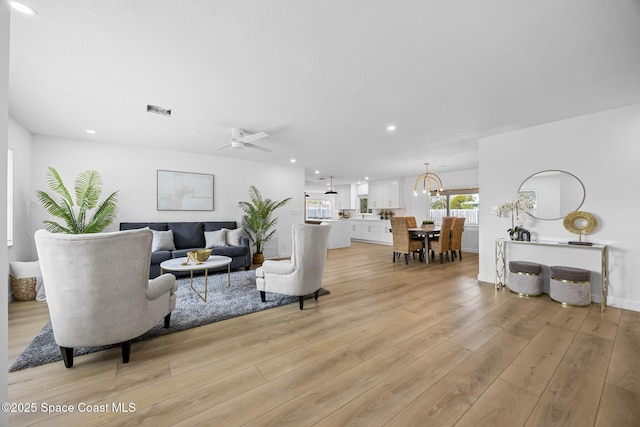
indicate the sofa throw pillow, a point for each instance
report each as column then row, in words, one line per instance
column 162, row 241
column 187, row 235
column 22, row 269
column 215, row 239
column 233, row 236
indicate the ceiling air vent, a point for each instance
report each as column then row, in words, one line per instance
column 158, row 110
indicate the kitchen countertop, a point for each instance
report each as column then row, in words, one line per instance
column 368, row 219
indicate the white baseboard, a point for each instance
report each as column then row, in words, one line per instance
column 623, row 303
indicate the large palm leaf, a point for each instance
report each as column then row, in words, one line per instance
column 257, row 217
column 88, row 187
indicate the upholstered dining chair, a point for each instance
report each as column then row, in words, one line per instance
column 443, row 244
column 402, row 242
column 302, row 274
column 98, row 289
column 456, row 237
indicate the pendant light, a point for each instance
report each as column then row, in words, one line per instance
column 331, row 188
column 427, row 178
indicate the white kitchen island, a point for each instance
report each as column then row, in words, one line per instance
column 340, row 234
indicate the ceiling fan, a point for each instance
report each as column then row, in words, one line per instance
column 241, row 139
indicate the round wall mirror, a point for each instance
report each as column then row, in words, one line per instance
column 553, row 194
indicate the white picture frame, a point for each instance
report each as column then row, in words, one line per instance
column 184, row 191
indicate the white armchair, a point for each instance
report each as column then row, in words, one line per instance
column 98, row 288
column 302, row 274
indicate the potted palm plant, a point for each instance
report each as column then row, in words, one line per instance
column 88, row 187
column 258, row 222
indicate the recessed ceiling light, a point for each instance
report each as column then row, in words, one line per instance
column 23, row 8
column 317, row 172
column 293, row 160
column 366, row 178
column 391, row 128
column 91, row 131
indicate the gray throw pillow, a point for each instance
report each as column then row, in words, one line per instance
column 162, row 241
column 215, row 239
column 233, row 236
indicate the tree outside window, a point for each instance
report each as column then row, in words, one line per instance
column 455, row 203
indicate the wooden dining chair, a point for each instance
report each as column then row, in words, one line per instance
column 402, row 242
column 443, row 244
column 456, row 237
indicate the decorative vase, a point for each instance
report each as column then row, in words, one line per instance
column 258, row 258
column 524, row 235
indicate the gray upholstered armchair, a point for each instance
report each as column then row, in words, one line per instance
column 302, row 274
column 98, row 289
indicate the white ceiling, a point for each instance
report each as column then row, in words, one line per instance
column 323, row 78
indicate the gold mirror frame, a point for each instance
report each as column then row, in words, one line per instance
column 580, row 222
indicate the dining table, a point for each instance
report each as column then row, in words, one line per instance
column 427, row 232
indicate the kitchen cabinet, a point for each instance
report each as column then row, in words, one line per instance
column 343, row 198
column 357, row 230
column 385, row 195
column 374, row 231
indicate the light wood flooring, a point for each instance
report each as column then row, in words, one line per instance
column 392, row 345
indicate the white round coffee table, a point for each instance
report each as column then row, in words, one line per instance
column 214, row 261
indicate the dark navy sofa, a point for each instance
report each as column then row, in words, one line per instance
column 188, row 236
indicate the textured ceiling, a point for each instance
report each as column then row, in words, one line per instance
column 323, row 78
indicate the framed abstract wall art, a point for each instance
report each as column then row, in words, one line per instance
column 184, row 191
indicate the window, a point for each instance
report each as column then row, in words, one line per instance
column 318, row 209
column 364, row 205
column 9, row 197
column 463, row 203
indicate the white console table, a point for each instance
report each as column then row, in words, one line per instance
column 501, row 260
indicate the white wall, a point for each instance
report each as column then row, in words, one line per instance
column 20, row 143
column 4, row 270
column 601, row 149
column 132, row 170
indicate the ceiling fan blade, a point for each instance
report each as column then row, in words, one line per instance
column 253, row 137
column 222, row 146
column 256, row 147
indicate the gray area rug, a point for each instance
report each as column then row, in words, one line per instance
column 222, row 303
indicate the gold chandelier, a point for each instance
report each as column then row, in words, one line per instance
column 427, row 178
